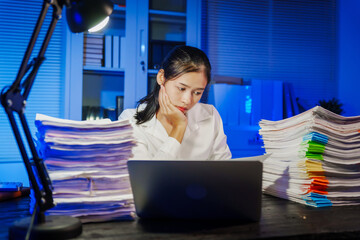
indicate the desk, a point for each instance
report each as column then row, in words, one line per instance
column 280, row 219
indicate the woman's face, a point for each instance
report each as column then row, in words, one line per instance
column 186, row 90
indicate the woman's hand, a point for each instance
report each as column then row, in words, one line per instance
column 174, row 116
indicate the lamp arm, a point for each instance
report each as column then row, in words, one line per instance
column 31, row 45
column 14, row 100
column 43, row 196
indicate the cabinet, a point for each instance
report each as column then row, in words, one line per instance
column 103, row 70
column 100, row 83
column 154, row 27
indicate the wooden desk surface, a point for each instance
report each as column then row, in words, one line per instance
column 280, row 219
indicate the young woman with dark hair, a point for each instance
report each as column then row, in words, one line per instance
column 170, row 123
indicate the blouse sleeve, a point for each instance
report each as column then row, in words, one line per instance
column 221, row 150
column 167, row 151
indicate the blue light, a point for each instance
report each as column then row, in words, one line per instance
column 248, row 103
column 78, row 18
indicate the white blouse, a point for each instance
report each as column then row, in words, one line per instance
column 204, row 137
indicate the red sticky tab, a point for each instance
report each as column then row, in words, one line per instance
column 318, row 188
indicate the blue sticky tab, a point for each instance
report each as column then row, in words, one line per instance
column 317, row 200
column 316, row 137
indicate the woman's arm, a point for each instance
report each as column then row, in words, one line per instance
column 167, row 150
column 221, row 150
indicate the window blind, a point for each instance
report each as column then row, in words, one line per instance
column 17, row 21
column 289, row 40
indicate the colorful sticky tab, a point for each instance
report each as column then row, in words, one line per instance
column 314, row 156
column 317, row 137
column 317, row 200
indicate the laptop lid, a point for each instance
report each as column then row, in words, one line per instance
column 194, row 189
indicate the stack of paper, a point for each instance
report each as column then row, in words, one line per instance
column 315, row 158
column 86, row 161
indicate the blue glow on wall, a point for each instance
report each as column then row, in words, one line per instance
column 275, row 40
column 248, row 104
column 349, row 55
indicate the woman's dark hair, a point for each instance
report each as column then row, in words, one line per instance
column 180, row 60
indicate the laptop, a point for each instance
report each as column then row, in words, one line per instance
column 176, row 189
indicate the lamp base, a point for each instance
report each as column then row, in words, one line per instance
column 55, row 227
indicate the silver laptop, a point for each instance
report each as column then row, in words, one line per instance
column 194, row 189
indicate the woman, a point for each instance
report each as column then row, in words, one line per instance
column 170, row 123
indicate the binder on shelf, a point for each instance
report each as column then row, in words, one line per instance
column 93, row 46
column 108, row 51
column 93, row 41
column 103, row 51
column 92, row 55
column 93, row 62
column 93, row 50
column 116, row 52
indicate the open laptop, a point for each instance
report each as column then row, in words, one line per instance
column 195, row 189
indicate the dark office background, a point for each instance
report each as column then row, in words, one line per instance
column 311, row 45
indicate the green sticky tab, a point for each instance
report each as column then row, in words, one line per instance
column 314, row 156
column 316, row 147
column 313, row 147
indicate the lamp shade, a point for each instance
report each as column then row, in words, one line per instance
column 82, row 15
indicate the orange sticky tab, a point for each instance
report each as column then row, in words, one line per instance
column 319, row 192
column 320, row 180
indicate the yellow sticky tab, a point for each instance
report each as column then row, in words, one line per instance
column 314, row 166
column 314, row 169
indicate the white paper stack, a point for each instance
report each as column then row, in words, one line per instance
column 86, row 161
column 315, row 158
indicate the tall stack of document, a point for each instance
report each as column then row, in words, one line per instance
column 315, row 158
column 87, row 161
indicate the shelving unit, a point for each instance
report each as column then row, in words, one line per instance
column 103, row 82
column 103, row 70
column 139, row 35
column 167, row 13
column 167, row 29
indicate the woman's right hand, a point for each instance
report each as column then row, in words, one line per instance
column 174, row 116
column 172, row 113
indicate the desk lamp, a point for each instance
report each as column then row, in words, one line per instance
column 81, row 15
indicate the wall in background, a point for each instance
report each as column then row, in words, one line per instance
column 349, row 55
column 17, row 21
column 268, row 43
column 291, row 41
